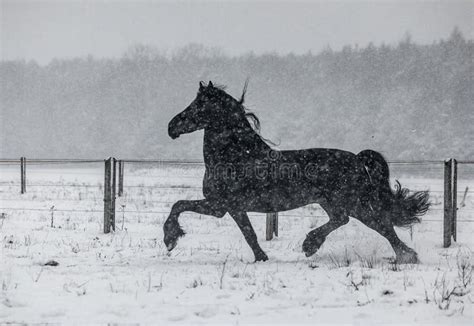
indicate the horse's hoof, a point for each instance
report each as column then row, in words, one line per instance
column 261, row 257
column 172, row 232
column 309, row 254
column 170, row 246
column 407, row 257
column 311, row 245
column 170, row 242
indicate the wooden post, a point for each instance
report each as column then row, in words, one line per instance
column 275, row 224
column 114, row 189
column 269, row 229
column 107, row 192
column 272, row 225
column 120, row 181
column 454, row 192
column 109, row 196
column 23, row 174
column 450, row 192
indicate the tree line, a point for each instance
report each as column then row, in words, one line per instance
column 409, row 101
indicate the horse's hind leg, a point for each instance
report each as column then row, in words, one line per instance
column 405, row 255
column 242, row 220
column 315, row 238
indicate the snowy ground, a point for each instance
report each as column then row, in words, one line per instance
column 210, row 277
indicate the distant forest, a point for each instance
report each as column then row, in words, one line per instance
column 409, row 101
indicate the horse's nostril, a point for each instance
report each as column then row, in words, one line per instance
column 172, row 133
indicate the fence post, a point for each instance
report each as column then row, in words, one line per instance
column 23, row 174
column 272, row 225
column 109, row 195
column 120, row 181
column 114, row 189
column 450, row 202
column 275, row 224
column 454, row 192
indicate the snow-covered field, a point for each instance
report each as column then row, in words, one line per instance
column 210, row 277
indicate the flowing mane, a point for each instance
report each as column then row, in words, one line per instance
column 251, row 117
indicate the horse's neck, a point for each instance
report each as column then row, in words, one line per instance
column 233, row 144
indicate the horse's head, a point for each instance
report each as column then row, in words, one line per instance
column 212, row 108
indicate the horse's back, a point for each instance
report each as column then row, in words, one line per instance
column 318, row 156
column 318, row 163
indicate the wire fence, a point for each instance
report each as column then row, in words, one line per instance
column 151, row 186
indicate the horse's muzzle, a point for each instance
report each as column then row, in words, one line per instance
column 173, row 134
column 173, row 128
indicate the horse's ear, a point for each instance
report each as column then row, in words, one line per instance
column 201, row 86
column 244, row 91
column 210, row 84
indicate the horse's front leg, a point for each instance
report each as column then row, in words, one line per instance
column 173, row 231
column 242, row 220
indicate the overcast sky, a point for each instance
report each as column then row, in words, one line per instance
column 42, row 30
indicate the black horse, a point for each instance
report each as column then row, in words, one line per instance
column 244, row 174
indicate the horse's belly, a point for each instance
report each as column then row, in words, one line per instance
column 283, row 199
column 262, row 197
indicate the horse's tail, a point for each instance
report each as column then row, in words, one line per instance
column 403, row 208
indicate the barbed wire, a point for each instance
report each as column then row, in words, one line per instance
column 460, row 192
column 168, row 187
column 419, row 162
column 53, row 160
column 133, row 211
column 101, row 186
column 190, row 213
column 190, row 161
column 51, row 185
column 169, row 203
